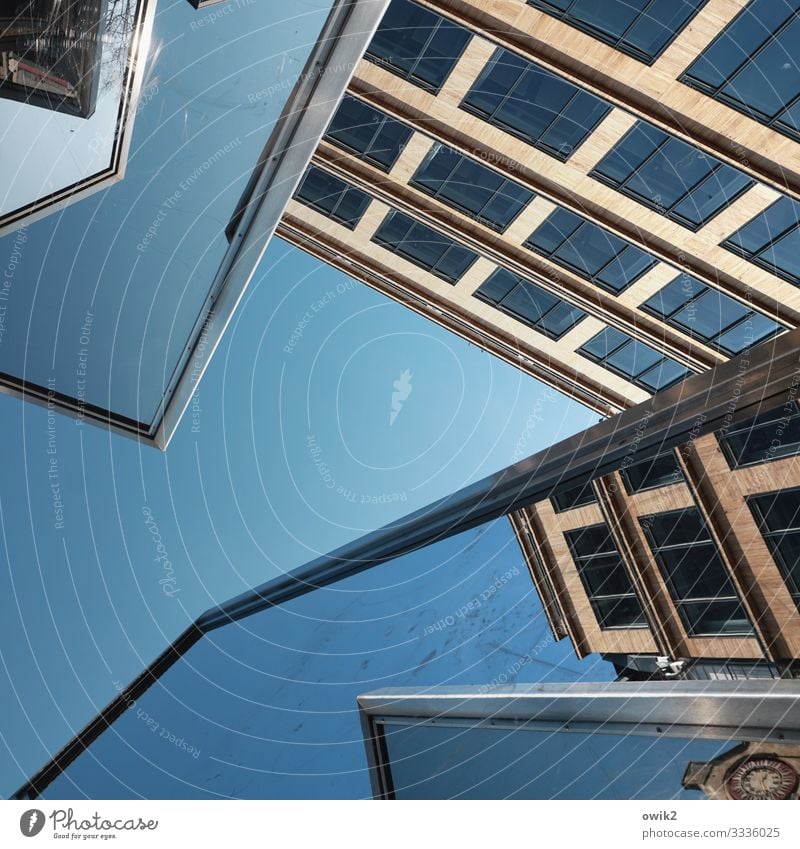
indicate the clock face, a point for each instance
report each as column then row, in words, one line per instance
column 762, row 778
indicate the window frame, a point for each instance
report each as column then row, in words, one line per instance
column 716, row 91
column 460, row 158
column 582, row 501
column 582, row 561
column 594, row 278
column 706, row 340
column 767, row 534
column 408, row 76
column 492, row 120
column 363, row 155
column 617, row 42
column 603, row 362
column 749, row 424
column 668, row 212
column 347, row 223
column 375, row 239
column 630, row 489
column 677, row 599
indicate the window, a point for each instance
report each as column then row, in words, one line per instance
column 708, row 315
column 332, row 197
column 750, row 66
column 529, row 303
column 768, row 436
column 471, row 187
column 367, row 133
column 772, row 240
column 640, row 28
column 778, row 515
column 534, row 104
column 651, row 473
column 424, row 247
column 633, row 360
column 589, row 250
column 575, row 496
column 605, row 578
column 695, row 574
column 417, row 44
column 670, row 176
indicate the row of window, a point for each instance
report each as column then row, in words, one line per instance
column 749, row 66
column 690, row 564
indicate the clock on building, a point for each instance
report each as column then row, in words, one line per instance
column 762, row 778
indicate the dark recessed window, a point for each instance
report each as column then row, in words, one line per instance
column 589, row 250
column 692, row 568
column 529, row 303
column 708, row 315
column 641, row 28
column 534, row 104
column 470, row 187
column 653, row 472
column 417, row 44
column 779, row 517
column 575, row 496
column 670, row 176
column 423, row 246
column 605, row 578
column 633, row 360
column 772, row 240
column 751, row 65
column 367, row 133
column 768, row 436
column 332, row 197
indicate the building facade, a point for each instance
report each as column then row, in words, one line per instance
column 691, row 556
column 574, row 199
column 606, row 196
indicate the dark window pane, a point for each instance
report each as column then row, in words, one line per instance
column 662, row 470
column 663, row 375
column 716, row 617
column 417, row 44
column 640, row 28
column 604, row 574
column 684, row 528
column 332, row 197
column 577, row 496
column 769, row 436
column 633, row 358
column 779, row 510
column 623, row 612
column 498, row 285
column 558, row 226
column 625, row 269
column 424, row 246
column 670, row 175
column 755, row 329
column 674, row 295
column 561, row 318
column 606, row 341
column 534, row 104
column 751, row 65
column 529, row 303
column 696, row 571
column 710, row 314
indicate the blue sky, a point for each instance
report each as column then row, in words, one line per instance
column 290, row 449
column 238, row 497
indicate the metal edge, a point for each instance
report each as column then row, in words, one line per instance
column 103, row 179
column 324, row 80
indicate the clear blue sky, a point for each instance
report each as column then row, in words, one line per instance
column 244, row 492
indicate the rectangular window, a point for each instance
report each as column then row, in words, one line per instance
column 575, row 496
column 767, row 436
column 706, row 314
column 332, row 197
column 587, row 249
column 633, row 360
column 670, row 176
column 425, row 247
column 605, row 578
column 367, row 133
column 417, row 44
column 534, row 104
column 529, row 303
column 641, row 28
column 750, row 66
column 778, row 515
column 692, row 568
column 470, row 187
column 772, row 240
column 651, row 473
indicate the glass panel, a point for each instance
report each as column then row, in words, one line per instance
column 663, row 375
column 590, row 541
column 455, row 263
column 696, row 572
column 625, row 612
column 441, row 54
column 755, row 329
column 562, row 318
column 447, row 762
column 770, row 436
column 785, row 255
column 559, row 225
column 498, row 285
column 683, row 528
column 529, row 302
column 662, row 470
column 536, row 101
column 633, row 358
column 710, row 314
column 674, row 295
column 374, row 136
column 605, row 574
column 766, row 226
column 713, row 195
column 495, row 82
column 607, row 340
column 670, row 173
column 589, row 249
column 716, row 617
column 575, row 496
column 625, row 269
column 779, row 510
